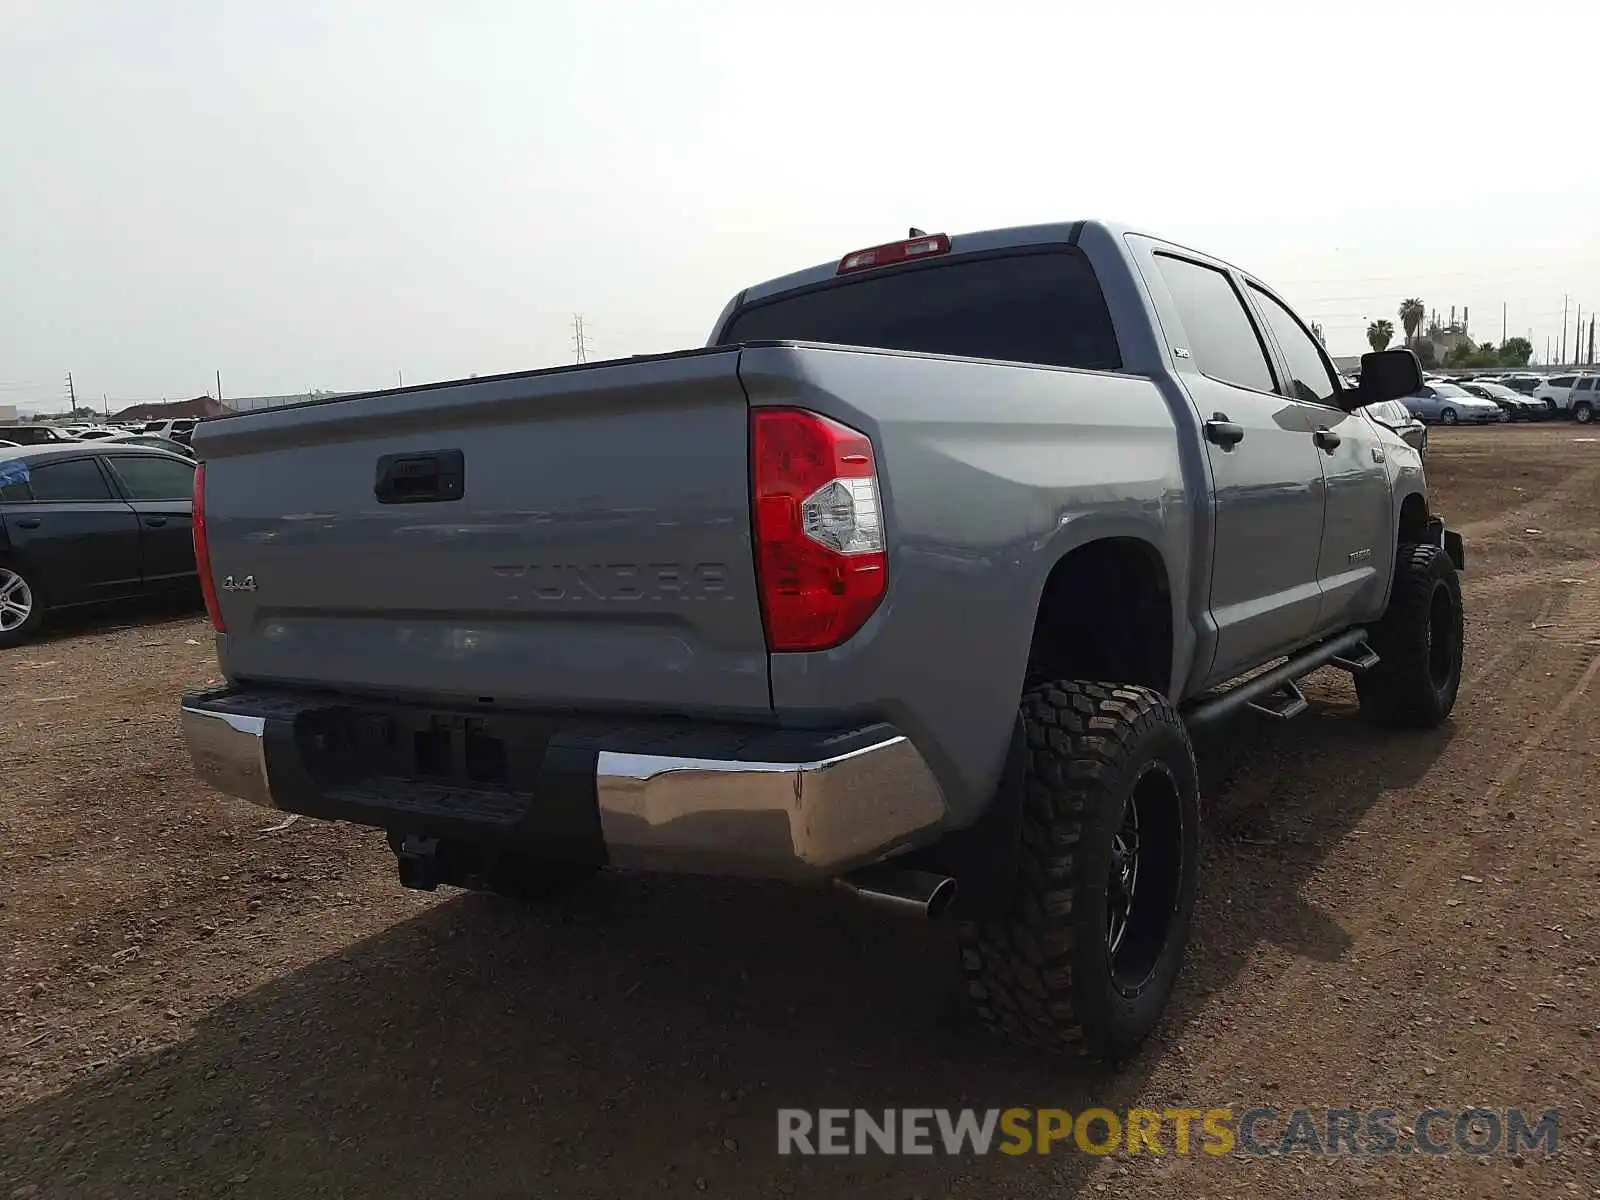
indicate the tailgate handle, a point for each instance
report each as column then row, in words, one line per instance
column 421, row 477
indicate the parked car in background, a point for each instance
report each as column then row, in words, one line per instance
column 151, row 439
column 1523, row 383
column 1395, row 415
column 34, row 435
column 1572, row 394
column 1449, row 404
column 1578, row 398
column 94, row 433
column 1515, row 405
column 90, row 523
column 179, row 430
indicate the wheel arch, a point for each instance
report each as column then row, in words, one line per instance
column 1104, row 613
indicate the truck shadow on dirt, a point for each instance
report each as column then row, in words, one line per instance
column 144, row 612
column 638, row 1039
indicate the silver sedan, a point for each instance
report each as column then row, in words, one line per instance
column 1450, row 405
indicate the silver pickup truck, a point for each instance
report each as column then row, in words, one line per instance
column 917, row 578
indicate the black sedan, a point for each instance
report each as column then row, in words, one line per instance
column 90, row 523
column 1515, row 405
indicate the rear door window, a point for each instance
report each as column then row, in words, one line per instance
column 1586, row 384
column 1222, row 338
column 151, row 477
column 1035, row 307
column 1561, row 381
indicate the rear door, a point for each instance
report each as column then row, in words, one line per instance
column 1358, row 521
column 80, row 538
column 161, row 491
column 1266, row 473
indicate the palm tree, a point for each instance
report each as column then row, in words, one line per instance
column 1412, row 315
column 1380, row 333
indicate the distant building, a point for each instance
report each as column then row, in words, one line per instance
column 200, row 406
column 8, row 413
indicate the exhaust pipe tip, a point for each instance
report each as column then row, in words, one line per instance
column 916, row 893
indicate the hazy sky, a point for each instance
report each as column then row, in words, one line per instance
column 324, row 194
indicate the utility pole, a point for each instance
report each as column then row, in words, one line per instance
column 401, row 376
column 580, row 340
column 1502, row 322
column 72, row 395
column 1591, row 340
column 1564, row 300
column 219, row 386
column 1577, row 337
column 105, row 405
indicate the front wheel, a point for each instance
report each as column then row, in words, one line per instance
column 1085, row 960
column 1447, row 416
column 1420, row 643
column 21, row 606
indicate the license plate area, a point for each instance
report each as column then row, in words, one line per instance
column 351, row 745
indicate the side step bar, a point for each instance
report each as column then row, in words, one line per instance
column 1277, row 692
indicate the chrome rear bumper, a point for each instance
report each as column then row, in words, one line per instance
column 825, row 804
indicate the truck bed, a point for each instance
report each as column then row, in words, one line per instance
column 569, row 538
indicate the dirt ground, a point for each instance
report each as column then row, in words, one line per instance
column 192, row 1004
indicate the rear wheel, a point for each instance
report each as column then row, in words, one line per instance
column 1420, row 643
column 1583, row 414
column 1085, row 960
column 21, row 606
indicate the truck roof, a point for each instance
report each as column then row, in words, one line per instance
column 963, row 243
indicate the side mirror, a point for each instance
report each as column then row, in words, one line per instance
column 1388, row 375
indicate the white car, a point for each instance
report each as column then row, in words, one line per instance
column 1575, row 394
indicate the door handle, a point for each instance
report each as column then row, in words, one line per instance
column 155, row 522
column 1326, row 438
column 28, row 523
column 425, row 477
column 1222, row 432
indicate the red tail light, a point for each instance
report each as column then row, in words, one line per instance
column 894, row 252
column 820, row 559
column 202, row 552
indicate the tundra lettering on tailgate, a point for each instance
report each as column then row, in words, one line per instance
column 661, row 583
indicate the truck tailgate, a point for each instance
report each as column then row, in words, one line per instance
column 595, row 553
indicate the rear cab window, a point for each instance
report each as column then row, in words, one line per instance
column 1040, row 306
